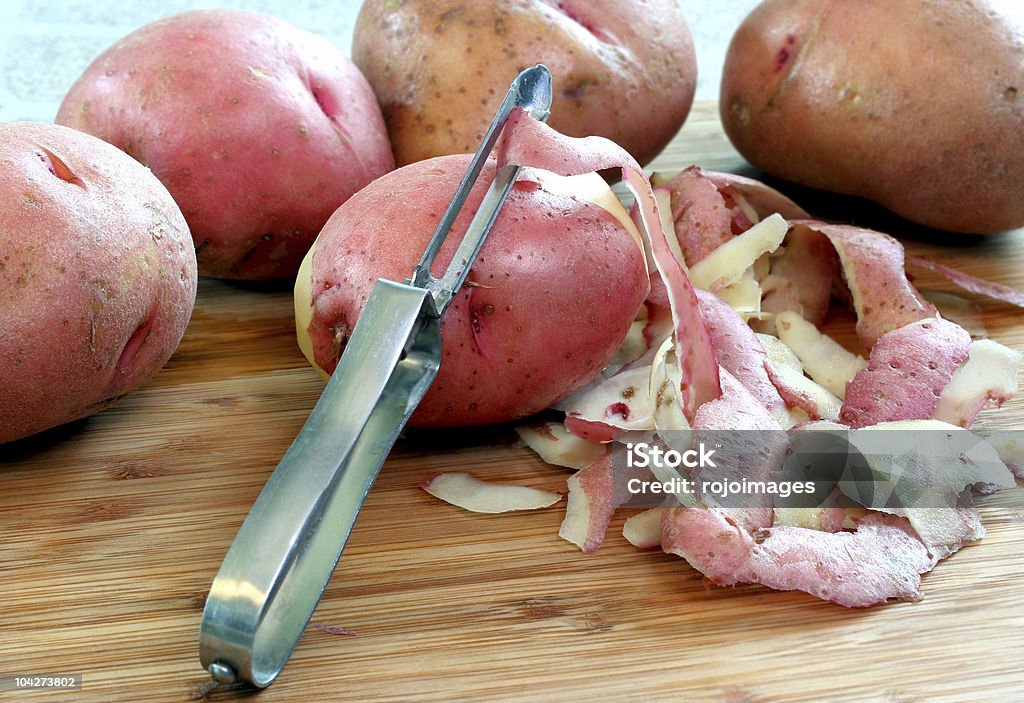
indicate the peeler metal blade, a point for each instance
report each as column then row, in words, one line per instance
column 276, row 570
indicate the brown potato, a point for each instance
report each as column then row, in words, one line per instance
column 916, row 105
column 622, row 69
column 97, row 276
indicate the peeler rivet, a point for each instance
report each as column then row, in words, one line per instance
column 222, row 673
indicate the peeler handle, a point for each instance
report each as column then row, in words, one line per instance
column 278, row 566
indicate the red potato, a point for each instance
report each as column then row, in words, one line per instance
column 97, row 276
column 258, row 129
column 917, row 105
column 622, row 69
column 547, row 303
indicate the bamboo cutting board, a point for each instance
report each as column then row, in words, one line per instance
column 112, row 530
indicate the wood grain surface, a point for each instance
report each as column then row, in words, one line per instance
column 113, row 528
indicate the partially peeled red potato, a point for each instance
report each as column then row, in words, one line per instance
column 97, row 276
column 622, row 69
column 546, row 305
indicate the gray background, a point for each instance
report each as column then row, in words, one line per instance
column 45, row 46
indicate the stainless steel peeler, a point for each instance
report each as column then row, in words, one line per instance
column 286, row 550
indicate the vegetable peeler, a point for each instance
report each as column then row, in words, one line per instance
column 276, row 570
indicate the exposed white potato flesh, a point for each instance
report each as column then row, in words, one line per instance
column 633, row 347
column 1010, row 448
column 779, row 353
column 664, row 395
column 667, row 410
column 726, row 264
column 945, row 530
column 663, row 197
column 619, row 402
column 825, row 519
column 643, row 530
column 787, row 374
column 657, row 328
column 556, row 445
column 662, row 178
column 466, row 491
column 824, row 359
column 671, row 423
column 743, row 296
column 988, row 377
column 744, row 205
column 304, row 310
